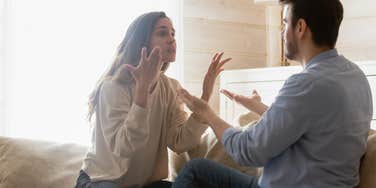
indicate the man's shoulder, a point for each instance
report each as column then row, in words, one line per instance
column 301, row 79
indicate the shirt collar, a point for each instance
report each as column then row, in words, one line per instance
column 323, row 55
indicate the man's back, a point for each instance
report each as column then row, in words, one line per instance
column 333, row 125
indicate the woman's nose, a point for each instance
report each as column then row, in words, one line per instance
column 171, row 39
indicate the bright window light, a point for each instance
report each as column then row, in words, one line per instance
column 54, row 52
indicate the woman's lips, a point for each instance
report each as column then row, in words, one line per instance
column 171, row 50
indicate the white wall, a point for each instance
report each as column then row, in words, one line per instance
column 357, row 39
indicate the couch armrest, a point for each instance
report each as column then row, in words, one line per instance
column 31, row 163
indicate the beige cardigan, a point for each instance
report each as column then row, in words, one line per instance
column 129, row 143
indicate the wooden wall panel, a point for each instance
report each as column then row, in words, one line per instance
column 237, row 27
column 273, row 38
column 199, row 62
column 238, row 11
column 203, row 34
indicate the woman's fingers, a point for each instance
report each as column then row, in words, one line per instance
column 143, row 56
column 224, row 62
column 129, row 67
column 212, row 63
column 155, row 58
column 159, row 62
column 155, row 54
column 216, row 61
column 214, row 57
column 220, row 65
column 219, row 57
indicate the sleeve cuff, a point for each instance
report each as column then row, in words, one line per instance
column 227, row 134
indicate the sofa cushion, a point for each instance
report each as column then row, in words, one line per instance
column 30, row 163
column 368, row 166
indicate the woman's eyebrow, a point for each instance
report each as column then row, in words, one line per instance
column 164, row 27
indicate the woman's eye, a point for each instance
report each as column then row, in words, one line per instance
column 165, row 33
column 162, row 33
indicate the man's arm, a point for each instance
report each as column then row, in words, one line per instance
column 280, row 126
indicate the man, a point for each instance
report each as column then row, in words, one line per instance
column 314, row 134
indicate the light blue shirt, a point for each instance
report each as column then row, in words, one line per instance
column 315, row 133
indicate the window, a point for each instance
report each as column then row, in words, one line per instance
column 2, row 72
column 55, row 51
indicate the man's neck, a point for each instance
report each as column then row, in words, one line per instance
column 311, row 53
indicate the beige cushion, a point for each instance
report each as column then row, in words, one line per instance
column 371, row 132
column 29, row 163
column 368, row 166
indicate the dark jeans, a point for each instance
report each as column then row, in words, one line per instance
column 202, row 173
column 83, row 181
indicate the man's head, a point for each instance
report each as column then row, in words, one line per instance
column 310, row 22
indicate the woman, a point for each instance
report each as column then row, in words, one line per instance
column 135, row 111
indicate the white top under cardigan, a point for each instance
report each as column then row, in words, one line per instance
column 129, row 143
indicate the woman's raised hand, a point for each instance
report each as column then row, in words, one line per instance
column 216, row 67
column 149, row 68
column 145, row 74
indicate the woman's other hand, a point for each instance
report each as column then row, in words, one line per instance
column 145, row 74
column 216, row 67
column 148, row 70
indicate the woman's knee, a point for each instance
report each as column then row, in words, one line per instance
column 197, row 166
column 197, row 163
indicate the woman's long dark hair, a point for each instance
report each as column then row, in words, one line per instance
column 138, row 35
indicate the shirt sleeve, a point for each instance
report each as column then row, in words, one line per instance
column 123, row 123
column 282, row 124
column 184, row 132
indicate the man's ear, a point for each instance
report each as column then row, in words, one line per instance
column 301, row 28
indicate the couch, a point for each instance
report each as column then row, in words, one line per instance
column 39, row 164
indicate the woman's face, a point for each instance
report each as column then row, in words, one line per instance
column 163, row 36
